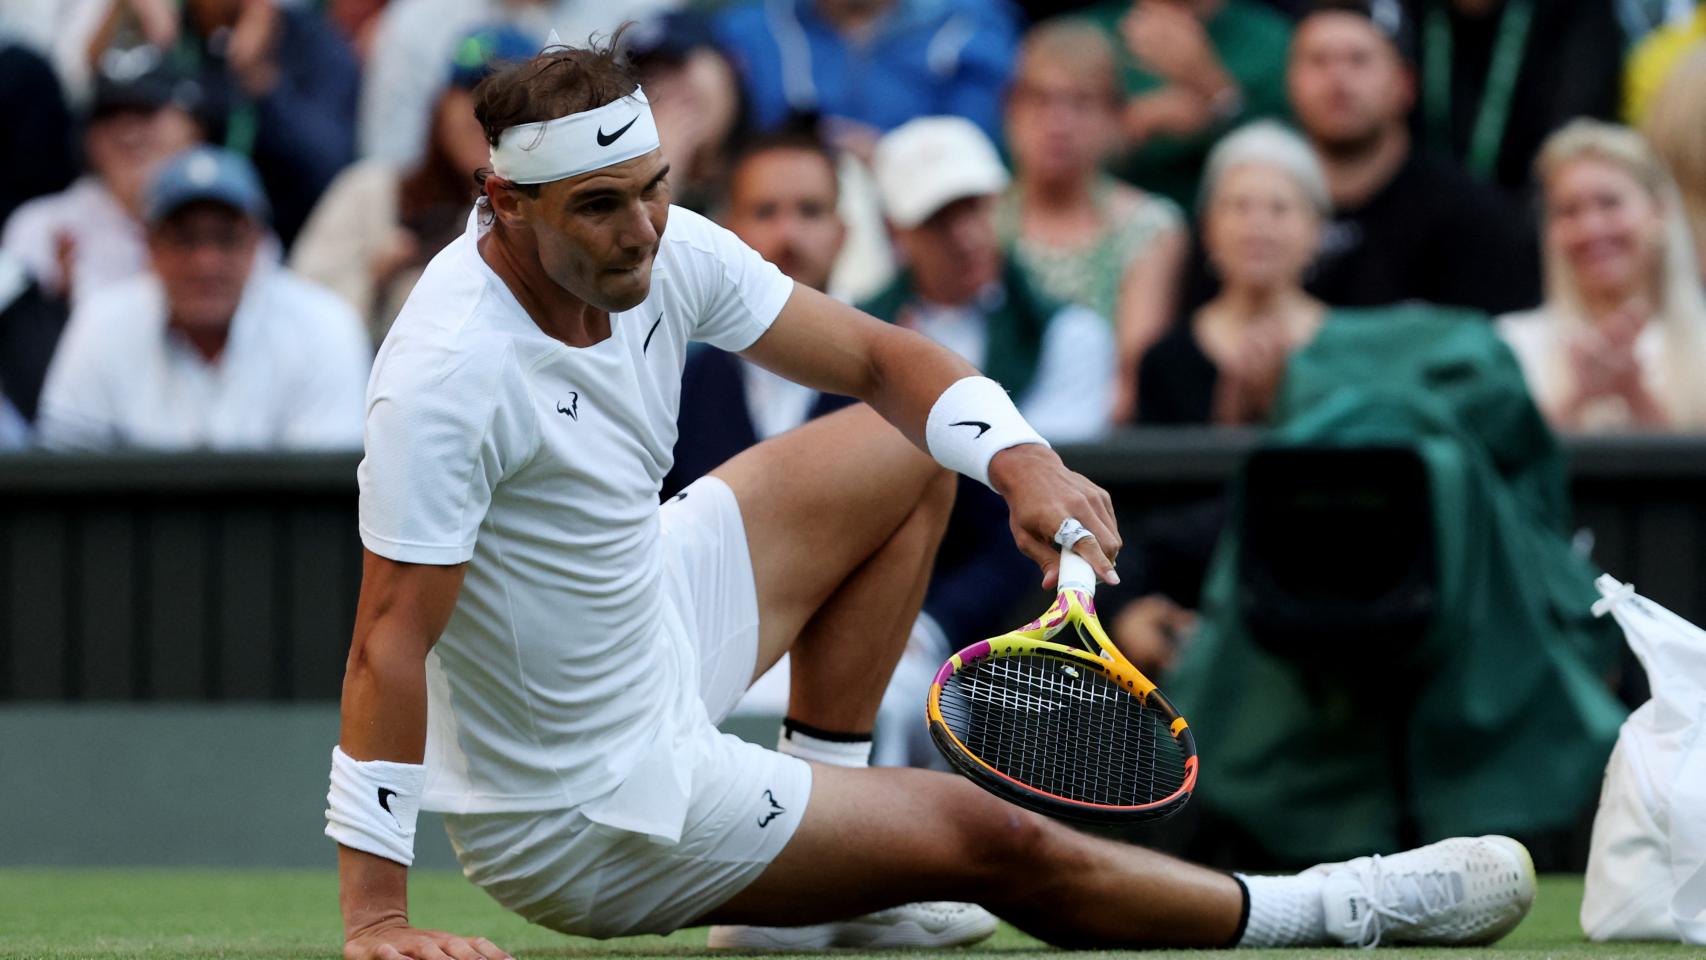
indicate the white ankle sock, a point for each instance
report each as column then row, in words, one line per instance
column 1284, row 911
column 846, row 751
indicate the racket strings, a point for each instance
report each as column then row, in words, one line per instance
column 1064, row 729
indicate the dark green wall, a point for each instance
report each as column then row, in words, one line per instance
column 234, row 578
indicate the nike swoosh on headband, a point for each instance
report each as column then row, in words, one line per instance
column 605, row 140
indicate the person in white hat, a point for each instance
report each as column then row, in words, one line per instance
column 939, row 179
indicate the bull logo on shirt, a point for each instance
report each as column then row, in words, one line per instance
column 572, row 411
column 776, row 810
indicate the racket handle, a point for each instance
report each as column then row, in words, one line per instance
column 1076, row 573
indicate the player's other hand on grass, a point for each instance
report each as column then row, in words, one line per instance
column 396, row 940
column 1041, row 492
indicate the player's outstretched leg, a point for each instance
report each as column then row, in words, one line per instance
column 873, row 838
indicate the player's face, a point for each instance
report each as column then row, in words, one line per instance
column 1346, row 82
column 956, row 252
column 203, row 254
column 1605, row 225
column 1260, row 230
column 782, row 204
column 597, row 234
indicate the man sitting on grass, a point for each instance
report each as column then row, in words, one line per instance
column 543, row 652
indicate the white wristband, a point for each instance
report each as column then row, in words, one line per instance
column 372, row 805
column 972, row 421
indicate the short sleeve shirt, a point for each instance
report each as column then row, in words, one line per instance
column 539, row 464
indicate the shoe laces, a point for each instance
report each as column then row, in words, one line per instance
column 1384, row 901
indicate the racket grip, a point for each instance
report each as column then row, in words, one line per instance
column 1076, row 573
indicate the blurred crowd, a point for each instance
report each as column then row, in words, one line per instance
column 1129, row 212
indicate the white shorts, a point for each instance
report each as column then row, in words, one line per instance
column 560, row 870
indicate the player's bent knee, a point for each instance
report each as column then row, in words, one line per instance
column 1017, row 851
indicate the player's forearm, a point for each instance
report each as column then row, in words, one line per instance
column 906, row 374
column 384, row 718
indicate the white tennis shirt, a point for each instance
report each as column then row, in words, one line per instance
column 561, row 680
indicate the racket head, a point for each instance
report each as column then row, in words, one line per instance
column 1061, row 731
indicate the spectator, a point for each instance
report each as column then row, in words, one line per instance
column 1498, row 76
column 1264, row 201
column 1083, row 236
column 1620, row 342
column 939, row 178
column 1406, row 226
column 212, row 349
column 35, row 129
column 871, row 65
column 1653, row 60
column 1191, row 69
column 91, row 235
column 1676, row 127
column 696, row 102
column 280, row 85
column 414, row 38
column 377, row 226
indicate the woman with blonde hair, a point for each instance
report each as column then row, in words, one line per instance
column 1082, row 235
column 1620, row 342
column 1264, row 201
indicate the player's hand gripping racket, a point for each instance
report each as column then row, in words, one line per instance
column 1073, row 734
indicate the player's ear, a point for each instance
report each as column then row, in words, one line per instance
column 505, row 200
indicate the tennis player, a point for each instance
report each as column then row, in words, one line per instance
column 542, row 653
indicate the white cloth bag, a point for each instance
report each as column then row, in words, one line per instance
column 1646, row 876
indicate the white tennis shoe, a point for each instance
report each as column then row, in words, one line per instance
column 1462, row 891
column 938, row 923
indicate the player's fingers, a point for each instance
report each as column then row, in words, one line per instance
column 1103, row 544
column 427, row 950
column 490, row 950
column 384, row 952
column 1091, row 551
column 460, row 949
column 1103, row 506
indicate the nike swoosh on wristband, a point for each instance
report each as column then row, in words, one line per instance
column 385, row 795
column 605, row 140
column 982, row 428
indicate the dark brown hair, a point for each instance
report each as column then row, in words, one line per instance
column 555, row 83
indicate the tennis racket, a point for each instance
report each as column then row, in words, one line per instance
column 1078, row 734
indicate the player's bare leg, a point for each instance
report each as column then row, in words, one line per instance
column 871, row 838
column 843, row 517
column 875, row 838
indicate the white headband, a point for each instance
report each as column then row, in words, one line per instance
column 578, row 143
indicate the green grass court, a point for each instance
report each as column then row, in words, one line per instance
column 196, row 914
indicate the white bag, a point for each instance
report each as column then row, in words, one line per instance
column 1646, row 876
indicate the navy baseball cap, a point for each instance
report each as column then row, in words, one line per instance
column 482, row 51
column 205, row 174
